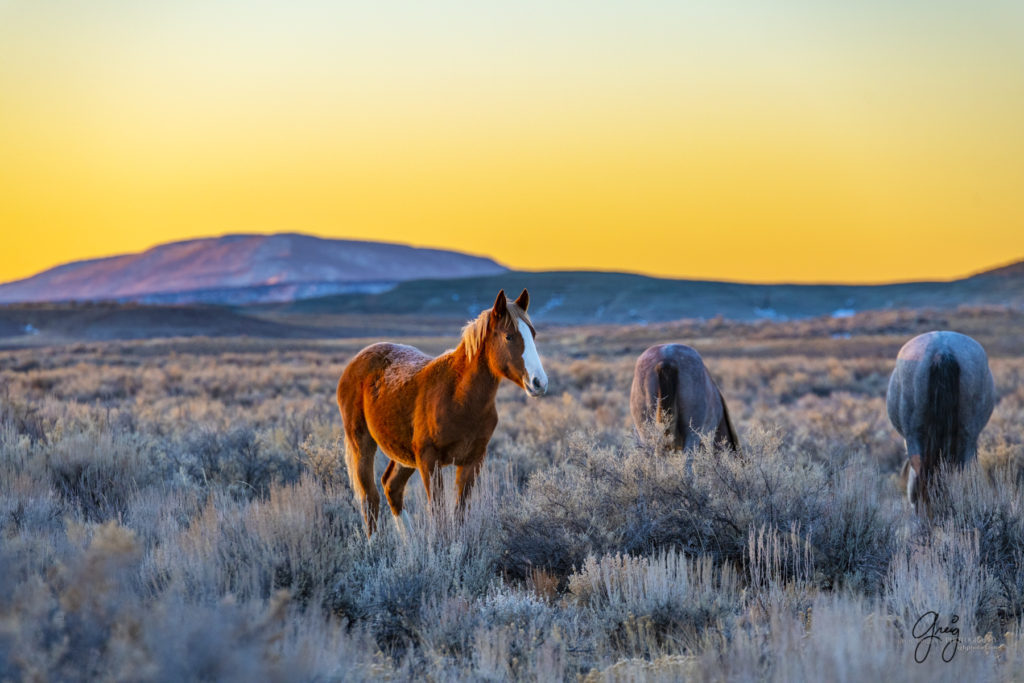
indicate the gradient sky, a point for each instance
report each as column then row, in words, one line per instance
column 752, row 140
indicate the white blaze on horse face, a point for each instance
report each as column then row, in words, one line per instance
column 536, row 382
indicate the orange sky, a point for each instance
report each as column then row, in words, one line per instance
column 757, row 141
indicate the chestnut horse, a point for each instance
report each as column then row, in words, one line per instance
column 940, row 397
column 674, row 400
column 426, row 413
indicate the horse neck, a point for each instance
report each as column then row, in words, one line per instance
column 474, row 380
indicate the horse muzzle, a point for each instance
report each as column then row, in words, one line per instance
column 536, row 386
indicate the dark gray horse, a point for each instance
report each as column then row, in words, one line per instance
column 674, row 400
column 940, row 397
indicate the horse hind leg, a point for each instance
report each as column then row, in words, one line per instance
column 395, row 477
column 393, row 481
column 360, row 450
column 689, row 442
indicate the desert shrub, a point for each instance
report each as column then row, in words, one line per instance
column 28, row 511
column 324, row 461
column 839, row 637
column 99, row 473
column 238, row 459
column 603, row 500
column 21, row 416
column 774, row 557
column 943, row 574
column 83, row 621
column 652, row 602
column 295, row 539
column 987, row 506
column 509, row 632
column 429, row 556
column 538, row 434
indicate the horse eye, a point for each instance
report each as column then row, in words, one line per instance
column 508, row 337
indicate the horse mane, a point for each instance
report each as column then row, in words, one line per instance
column 475, row 330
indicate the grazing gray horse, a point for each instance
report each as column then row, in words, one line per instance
column 674, row 397
column 940, row 397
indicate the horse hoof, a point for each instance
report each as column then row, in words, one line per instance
column 402, row 523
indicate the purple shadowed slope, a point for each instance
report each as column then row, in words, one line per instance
column 232, row 262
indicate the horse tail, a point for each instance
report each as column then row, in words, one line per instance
column 733, row 439
column 350, row 448
column 668, row 389
column 341, row 384
column 352, row 466
column 941, row 412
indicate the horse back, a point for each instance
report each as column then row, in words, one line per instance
column 672, row 386
column 654, row 392
column 380, row 377
column 941, row 395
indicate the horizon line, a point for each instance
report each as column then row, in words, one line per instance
column 652, row 275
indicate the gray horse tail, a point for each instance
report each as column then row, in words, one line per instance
column 668, row 388
column 942, row 413
column 730, row 431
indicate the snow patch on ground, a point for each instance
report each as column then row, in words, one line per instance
column 551, row 304
column 768, row 314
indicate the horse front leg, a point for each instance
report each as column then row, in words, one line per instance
column 465, row 477
column 433, row 482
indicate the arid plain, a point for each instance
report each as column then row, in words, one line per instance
column 176, row 509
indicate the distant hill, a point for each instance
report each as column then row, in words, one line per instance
column 1013, row 270
column 58, row 323
column 384, row 290
column 594, row 297
column 240, row 269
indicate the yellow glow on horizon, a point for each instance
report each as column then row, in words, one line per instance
column 783, row 144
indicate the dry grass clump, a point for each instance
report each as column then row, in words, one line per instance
column 659, row 603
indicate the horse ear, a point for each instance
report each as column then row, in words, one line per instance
column 500, row 308
column 523, row 301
